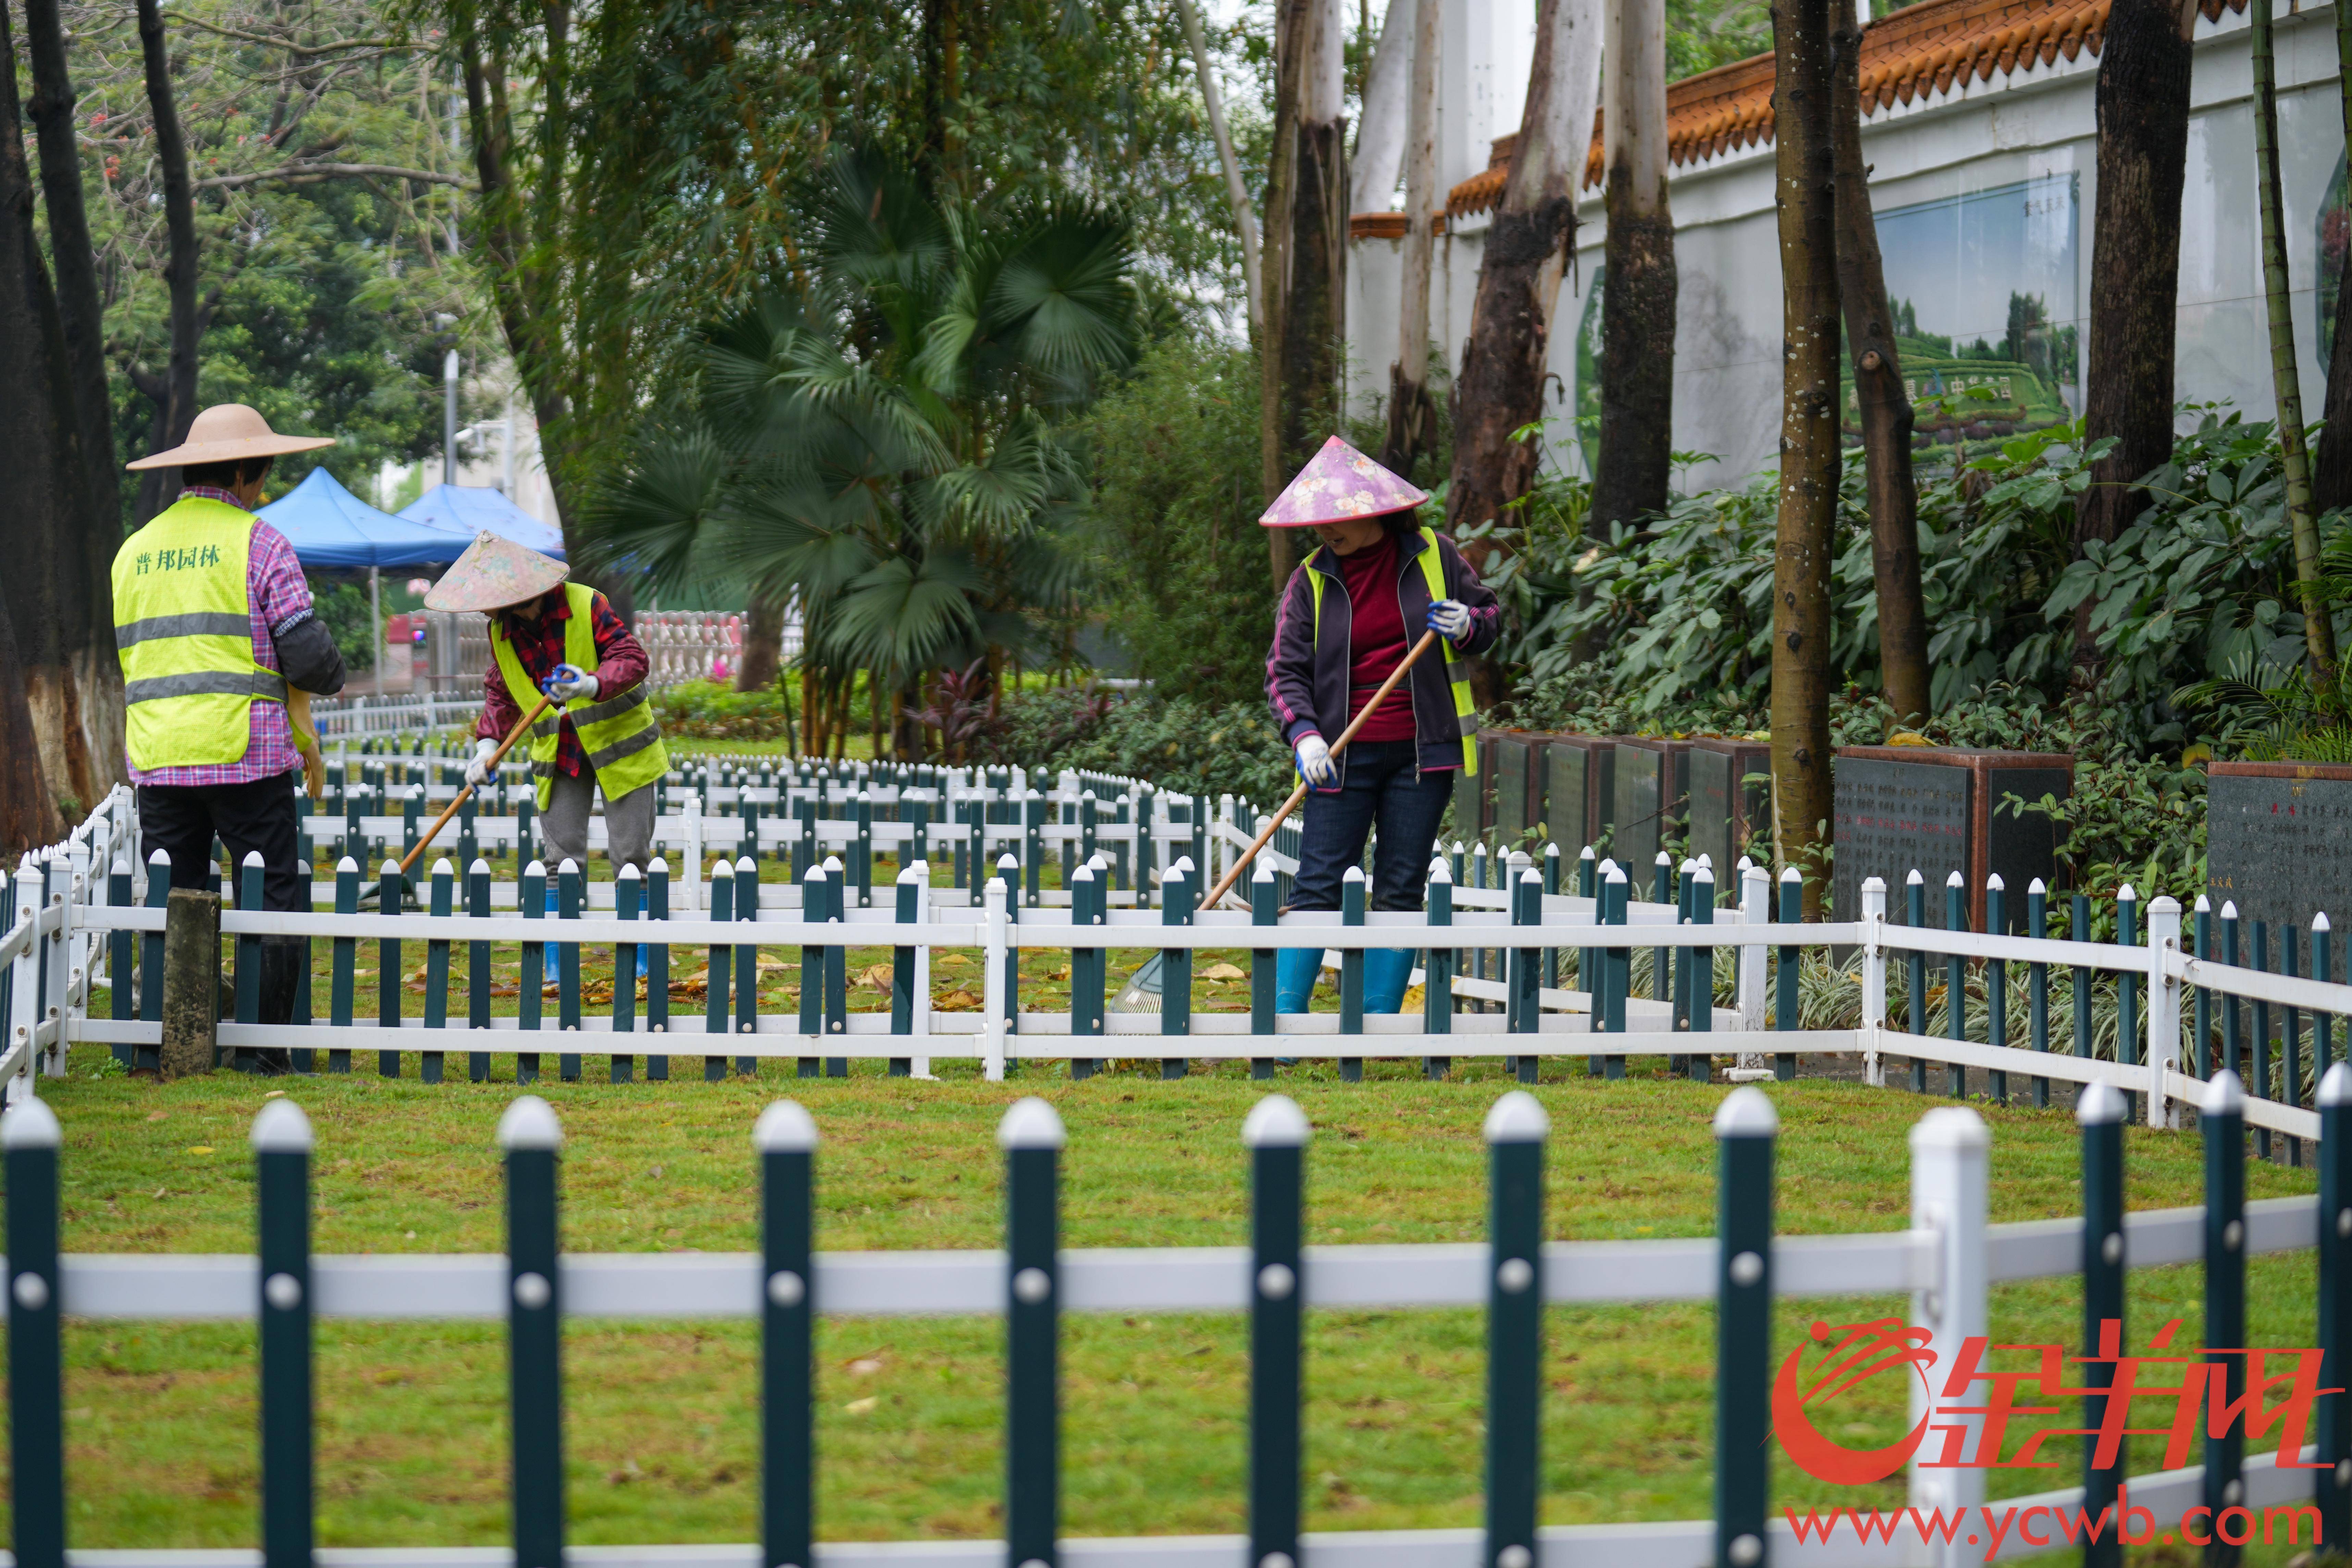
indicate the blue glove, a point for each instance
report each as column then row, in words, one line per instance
column 1450, row 618
column 570, row 683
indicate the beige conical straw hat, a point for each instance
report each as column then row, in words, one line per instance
column 226, row 432
column 493, row 574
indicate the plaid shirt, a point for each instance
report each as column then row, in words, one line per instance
column 278, row 600
column 620, row 663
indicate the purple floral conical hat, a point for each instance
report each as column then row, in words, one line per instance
column 1339, row 482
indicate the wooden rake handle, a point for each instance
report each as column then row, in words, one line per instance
column 1233, row 873
column 466, row 794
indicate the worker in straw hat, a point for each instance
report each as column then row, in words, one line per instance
column 563, row 640
column 1347, row 617
column 216, row 633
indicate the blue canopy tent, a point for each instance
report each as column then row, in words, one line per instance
column 333, row 530
column 470, row 509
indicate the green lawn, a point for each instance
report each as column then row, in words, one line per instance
column 662, row 1423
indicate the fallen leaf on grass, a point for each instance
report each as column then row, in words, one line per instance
column 202, row 1149
column 1222, row 972
column 877, row 976
column 955, row 958
column 860, row 1406
column 956, row 1001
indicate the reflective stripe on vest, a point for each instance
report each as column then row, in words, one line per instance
column 623, row 743
column 183, row 624
column 1457, row 676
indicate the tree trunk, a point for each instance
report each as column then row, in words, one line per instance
column 2331, row 484
column 1881, row 398
column 29, row 812
column 2143, row 115
column 51, row 599
column 2286, row 376
column 157, row 489
column 763, row 639
column 1274, row 273
column 1805, row 554
column 1384, row 125
column 1314, row 314
column 1413, row 417
column 1236, row 192
column 75, row 261
column 1504, row 360
column 1637, row 300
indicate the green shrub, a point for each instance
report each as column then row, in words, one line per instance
column 712, row 711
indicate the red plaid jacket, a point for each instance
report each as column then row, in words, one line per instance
column 620, row 663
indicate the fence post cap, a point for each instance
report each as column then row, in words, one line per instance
column 160, row 857
column 1439, row 871
column 536, row 869
column 1703, row 872
column 1915, row 880
column 2036, row 888
column 1551, row 851
column 658, row 864
column 1993, row 884
column 1008, row 861
column 745, row 863
column 482, row 868
column 1747, row 1112
column 252, row 858
column 530, row 1123
column 2228, row 909
column 1615, row 872
column 391, row 867
column 121, row 866
column 628, row 873
column 282, row 1129
column 1791, row 874
column 2225, row 1096
column 832, row 864
column 1264, row 872
column 1686, row 868
column 1030, row 1123
column 345, row 864
column 2163, row 904
column 1532, row 875
column 1744, row 865
column 1184, row 868
column 1583, row 853
column 1950, row 1127
column 2125, row 892
column 1518, row 1118
column 1276, row 1122
column 569, row 868
column 1354, row 873
column 2318, row 922
column 2335, row 1088
column 1873, row 885
column 784, row 1128
column 441, row 867
column 30, row 1124
column 2099, row 1105
column 2204, row 905
column 1955, row 881
column 814, row 873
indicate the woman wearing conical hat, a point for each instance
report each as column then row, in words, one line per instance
column 1347, row 615
column 550, row 638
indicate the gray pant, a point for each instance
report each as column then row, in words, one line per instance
column 564, row 826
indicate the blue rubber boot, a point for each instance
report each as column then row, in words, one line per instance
column 1295, row 969
column 1387, row 971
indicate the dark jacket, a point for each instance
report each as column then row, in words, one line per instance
column 1307, row 671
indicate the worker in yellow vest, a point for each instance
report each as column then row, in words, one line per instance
column 215, row 625
column 564, row 640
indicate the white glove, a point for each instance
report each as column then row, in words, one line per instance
column 570, row 683
column 477, row 771
column 1314, row 761
column 1450, row 618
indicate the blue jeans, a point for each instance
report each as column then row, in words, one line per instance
column 1383, row 786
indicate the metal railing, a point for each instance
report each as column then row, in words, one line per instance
column 1947, row 1260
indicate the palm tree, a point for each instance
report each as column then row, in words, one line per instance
column 880, row 436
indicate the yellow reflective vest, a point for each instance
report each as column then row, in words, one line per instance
column 184, row 624
column 1457, row 674
column 617, row 731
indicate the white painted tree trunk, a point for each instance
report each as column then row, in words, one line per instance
column 1323, row 82
column 1634, row 118
column 1556, row 127
column 1422, row 196
column 1236, row 192
column 1383, row 127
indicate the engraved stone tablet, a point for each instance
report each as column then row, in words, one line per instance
column 2279, row 841
column 1939, row 810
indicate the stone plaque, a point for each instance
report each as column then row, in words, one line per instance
column 1652, row 801
column 2279, row 841
column 1730, row 802
column 1580, row 801
column 1474, row 795
column 1939, row 810
column 1520, row 781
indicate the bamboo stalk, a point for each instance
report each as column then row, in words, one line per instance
column 1233, row 872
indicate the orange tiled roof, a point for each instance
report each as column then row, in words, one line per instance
column 1922, row 48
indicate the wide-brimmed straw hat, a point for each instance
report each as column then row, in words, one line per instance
column 493, row 574
column 1338, row 483
column 226, row 432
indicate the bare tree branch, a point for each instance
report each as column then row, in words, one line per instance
column 303, row 172
column 293, row 48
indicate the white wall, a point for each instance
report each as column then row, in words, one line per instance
column 2033, row 126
